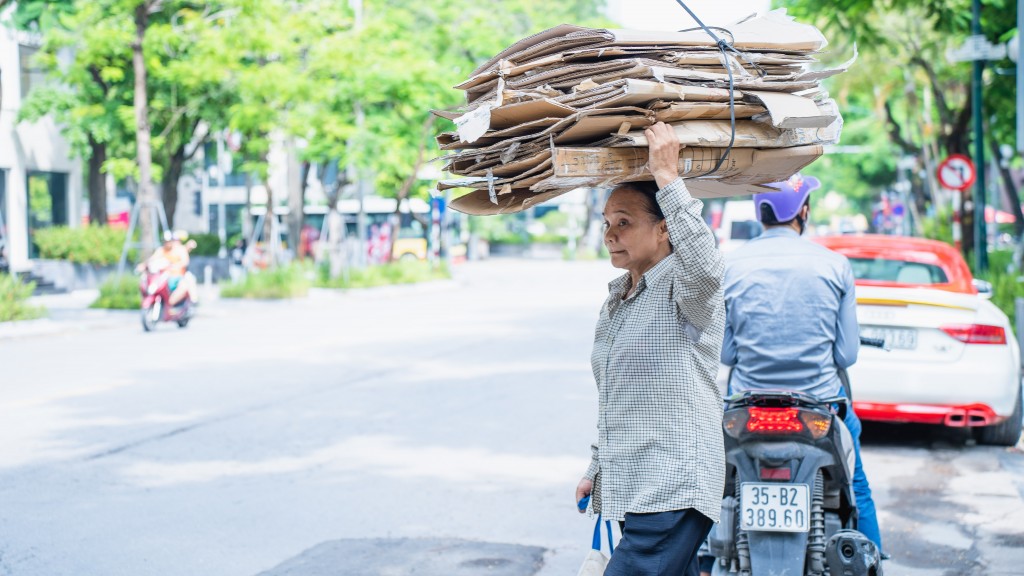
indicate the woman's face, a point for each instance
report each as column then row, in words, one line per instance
column 635, row 240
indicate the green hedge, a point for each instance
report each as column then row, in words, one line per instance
column 206, row 244
column 14, row 295
column 275, row 283
column 100, row 245
column 385, row 274
column 119, row 293
column 1006, row 285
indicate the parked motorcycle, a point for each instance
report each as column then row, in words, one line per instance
column 156, row 295
column 789, row 506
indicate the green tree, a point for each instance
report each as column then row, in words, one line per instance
column 86, row 95
column 377, row 82
column 93, row 97
column 917, row 99
column 299, row 72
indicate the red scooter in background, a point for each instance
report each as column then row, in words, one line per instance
column 156, row 295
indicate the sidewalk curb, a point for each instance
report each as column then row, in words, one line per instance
column 85, row 320
column 70, row 313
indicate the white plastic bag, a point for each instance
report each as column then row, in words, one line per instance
column 595, row 562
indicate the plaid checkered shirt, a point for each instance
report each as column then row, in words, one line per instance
column 655, row 358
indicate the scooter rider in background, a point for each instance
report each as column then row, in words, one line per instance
column 173, row 256
column 791, row 319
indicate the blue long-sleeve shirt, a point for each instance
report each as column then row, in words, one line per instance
column 791, row 315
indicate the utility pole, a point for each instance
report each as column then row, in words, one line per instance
column 980, row 226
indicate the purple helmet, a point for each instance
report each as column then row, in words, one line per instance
column 786, row 203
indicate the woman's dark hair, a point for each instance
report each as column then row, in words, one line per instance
column 649, row 192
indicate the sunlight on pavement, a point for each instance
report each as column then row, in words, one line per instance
column 381, row 455
column 44, row 433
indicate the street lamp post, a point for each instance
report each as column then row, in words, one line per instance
column 980, row 229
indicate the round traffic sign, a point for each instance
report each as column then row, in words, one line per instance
column 957, row 172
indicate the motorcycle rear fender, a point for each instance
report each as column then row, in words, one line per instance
column 777, row 552
column 776, row 454
column 841, row 435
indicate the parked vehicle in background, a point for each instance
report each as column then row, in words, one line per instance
column 739, row 223
column 954, row 360
column 410, row 242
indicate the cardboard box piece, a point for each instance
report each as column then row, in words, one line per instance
column 567, row 107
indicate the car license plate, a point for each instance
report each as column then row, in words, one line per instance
column 902, row 338
column 774, row 507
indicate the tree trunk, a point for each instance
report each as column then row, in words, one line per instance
column 335, row 225
column 298, row 174
column 403, row 192
column 956, row 143
column 97, row 183
column 247, row 221
column 147, row 196
column 269, row 242
column 171, row 178
column 967, row 223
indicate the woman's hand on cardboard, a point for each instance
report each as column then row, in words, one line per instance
column 663, row 153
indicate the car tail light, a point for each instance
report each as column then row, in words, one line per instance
column 774, row 420
column 976, row 333
column 776, row 473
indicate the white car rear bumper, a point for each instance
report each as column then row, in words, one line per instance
column 979, row 389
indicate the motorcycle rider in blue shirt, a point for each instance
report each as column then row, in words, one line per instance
column 791, row 318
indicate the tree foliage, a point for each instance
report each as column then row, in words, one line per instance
column 905, row 88
column 340, row 88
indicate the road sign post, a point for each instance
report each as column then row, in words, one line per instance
column 977, row 49
column 957, row 172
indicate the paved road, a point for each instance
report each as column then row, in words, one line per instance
column 441, row 427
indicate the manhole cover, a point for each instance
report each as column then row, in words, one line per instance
column 404, row 556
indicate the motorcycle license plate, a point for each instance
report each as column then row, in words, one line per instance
column 774, row 507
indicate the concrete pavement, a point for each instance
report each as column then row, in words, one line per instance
column 371, row 431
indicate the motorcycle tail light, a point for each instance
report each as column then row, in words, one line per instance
column 817, row 424
column 776, row 473
column 774, row 420
column 734, row 421
column 976, row 333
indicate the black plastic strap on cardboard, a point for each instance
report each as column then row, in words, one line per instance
column 725, row 47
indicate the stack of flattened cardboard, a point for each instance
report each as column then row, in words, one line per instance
column 567, row 108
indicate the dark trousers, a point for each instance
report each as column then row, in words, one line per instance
column 659, row 544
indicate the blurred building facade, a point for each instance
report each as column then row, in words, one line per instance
column 41, row 183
